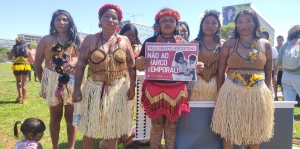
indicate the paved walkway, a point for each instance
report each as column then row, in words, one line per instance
column 294, row 147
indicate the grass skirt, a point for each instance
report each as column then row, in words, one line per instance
column 109, row 116
column 244, row 116
column 169, row 99
column 49, row 86
column 201, row 90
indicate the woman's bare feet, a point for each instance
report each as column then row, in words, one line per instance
column 24, row 101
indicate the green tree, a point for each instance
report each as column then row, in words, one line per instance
column 4, row 50
column 227, row 30
column 3, row 53
column 34, row 44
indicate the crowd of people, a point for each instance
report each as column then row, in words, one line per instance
column 236, row 73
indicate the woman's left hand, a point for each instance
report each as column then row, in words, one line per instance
column 199, row 67
column 131, row 92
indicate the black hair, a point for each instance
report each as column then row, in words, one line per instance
column 129, row 27
column 176, row 32
column 294, row 32
column 266, row 34
column 208, row 13
column 73, row 34
column 20, row 46
column 187, row 27
column 29, row 45
column 280, row 36
column 192, row 57
column 102, row 12
column 30, row 125
column 177, row 56
column 255, row 20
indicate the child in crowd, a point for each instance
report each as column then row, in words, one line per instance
column 33, row 131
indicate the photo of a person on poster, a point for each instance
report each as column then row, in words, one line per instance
column 228, row 15
column 182, row 64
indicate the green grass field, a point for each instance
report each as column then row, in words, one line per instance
column 11, row 111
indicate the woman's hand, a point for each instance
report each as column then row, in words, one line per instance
column 70, row 66
column 131, row 92
column 141, row 63
column 77, row 96
column 199, row 67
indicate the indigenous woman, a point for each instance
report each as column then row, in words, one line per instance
column 184, row 30
column 60, row 51
column 106, row 109
column 21, row 68
column 130, row 31
column 209, row 47
column 244, row 107
column 164, row 101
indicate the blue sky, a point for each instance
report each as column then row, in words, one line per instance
column 33, row 16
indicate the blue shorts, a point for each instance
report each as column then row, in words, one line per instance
column 291, row 86
column 16, row 73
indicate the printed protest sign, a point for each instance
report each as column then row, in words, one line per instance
column 171, row 61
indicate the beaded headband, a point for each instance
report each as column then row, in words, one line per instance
column 167, row 12
column 112, row 6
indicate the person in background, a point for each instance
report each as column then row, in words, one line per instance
column 33, row 131
column 289, row 59
column 31, row 57
column 265, row 35
column 280, row 41
column 130, row 31
column 184, row 30
column 20, row 67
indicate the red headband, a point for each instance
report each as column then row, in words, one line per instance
column 167, row 13
column 112, row 6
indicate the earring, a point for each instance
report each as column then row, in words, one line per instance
column 156, row 28
column 257, row 33
column 99, row 25
column 217, row 38
column 53, row 31
column 70, row 31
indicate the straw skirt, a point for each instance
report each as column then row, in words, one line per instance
column 202, row 90
column 105, row 109
column 49, row 85
column 244, row 116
